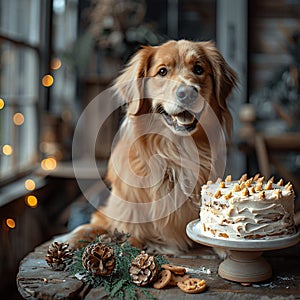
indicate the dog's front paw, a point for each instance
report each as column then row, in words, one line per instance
column 83, row 235
column 77, row 243
column 136, row 243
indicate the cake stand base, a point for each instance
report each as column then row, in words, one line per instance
column 244, row 263
column 246, row 267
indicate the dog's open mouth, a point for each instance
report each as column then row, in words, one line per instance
column 183, row 121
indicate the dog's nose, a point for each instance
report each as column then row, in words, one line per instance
column 186, row 94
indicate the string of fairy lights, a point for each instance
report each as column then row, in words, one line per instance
column 47, row 164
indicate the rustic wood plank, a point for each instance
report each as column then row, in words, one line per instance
column 36, row 280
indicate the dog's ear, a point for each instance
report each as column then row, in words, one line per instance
column 224, row 77
column 129, row 85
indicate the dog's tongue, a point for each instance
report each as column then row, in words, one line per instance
column 184, row 118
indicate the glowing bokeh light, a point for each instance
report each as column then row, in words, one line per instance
column 48, row 164
column 10, row 223
column 31, row 201
column 7, row 150
column 29, row 185
column 55, row 63
column 47, row 80
column 18, row 119
column 2, row 103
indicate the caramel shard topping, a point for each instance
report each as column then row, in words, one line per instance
column 280, row 182
column 262, row 195
column 287, row 185
column 248, row 182
column 252, row 190
column 242, row 185
column 277, row 193
column 217, row 194
column 228, row 178
column 209, row 182
column 224, row 235
column 245, row 192
column 271, row 179
column 269, row 185
column 228, row 196
column 256, row 177
column 261, row 179
column 236, row 188
column 219, row 180
column 258, row 187
column 243, row 178
column 222, row 184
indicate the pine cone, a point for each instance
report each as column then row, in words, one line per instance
column 58, row 256
column 143, row 269
column 99, row 259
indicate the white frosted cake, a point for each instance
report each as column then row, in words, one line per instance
column 247, row 209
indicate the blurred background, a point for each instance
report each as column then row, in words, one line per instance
column 57, row 55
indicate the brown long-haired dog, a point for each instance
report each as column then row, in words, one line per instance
column 176, row 99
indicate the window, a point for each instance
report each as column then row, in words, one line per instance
column 34, row 82
column 21, row 56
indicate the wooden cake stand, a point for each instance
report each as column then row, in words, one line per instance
column 244, row 262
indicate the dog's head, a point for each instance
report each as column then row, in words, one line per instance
column 186, row 76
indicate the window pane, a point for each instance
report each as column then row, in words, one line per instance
column 8, row 153
column 28, row 136
column 19, row 73
column 20, row 19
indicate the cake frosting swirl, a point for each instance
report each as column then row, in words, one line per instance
column 247, row 209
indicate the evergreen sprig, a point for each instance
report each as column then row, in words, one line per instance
column 118, row 284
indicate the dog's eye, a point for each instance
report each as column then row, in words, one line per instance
column 198, row 70
column 163, row 71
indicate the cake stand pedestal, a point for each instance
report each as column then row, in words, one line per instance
column 244, row 262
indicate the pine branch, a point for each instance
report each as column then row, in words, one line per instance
column 118, row 285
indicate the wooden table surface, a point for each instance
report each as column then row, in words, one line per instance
column 36, row 280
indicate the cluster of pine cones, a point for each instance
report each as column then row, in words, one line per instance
column 99, row 259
